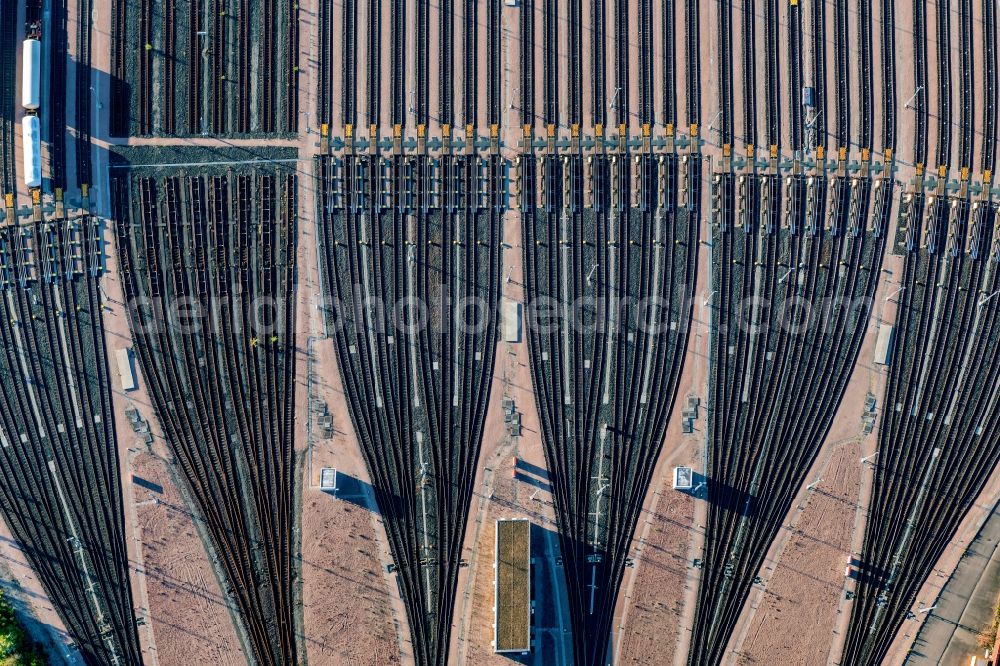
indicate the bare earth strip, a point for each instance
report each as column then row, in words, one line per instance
column 189, row 617
column 654, row 597
column 792, row 623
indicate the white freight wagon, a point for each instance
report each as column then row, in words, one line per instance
column 31, row 68
column 32, row 142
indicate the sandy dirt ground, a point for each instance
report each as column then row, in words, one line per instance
column 346, row 602
column 652, row 595
column 181, row 599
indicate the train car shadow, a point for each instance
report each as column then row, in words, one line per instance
column 529, row 468
column 866, row 573
column 725, row 496
column 533, row 481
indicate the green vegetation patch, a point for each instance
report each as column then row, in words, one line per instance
column 16, row 646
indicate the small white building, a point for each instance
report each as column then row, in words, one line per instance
column 328, row 479
column 126, row 371
column 511, row 321
column 683, row 478
column 884, row 343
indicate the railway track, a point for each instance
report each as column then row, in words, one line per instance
column 759, row 453
column 423, row 87
column 604, row 394
column 748, row 43
column 244, row 73
column 238, row 464
column 60, row 492
column 494, row 103
column 795, row 82
column 398, row 82
column 692, row 35
column 63, row 506
column 374, row 63
column 725, row 18
column 327, row 72
column 921, row 83
column 842, row 72
column 83, row 95
column 57, row 43
column 818, row 122
column 145, row 67
column 613, row 410
column 790, row 240
column 526, row 30
column 668, row 29
column 446, row 77
column 896, row 562
column 217, row 56
column 266, row 78
column 575, row 62
column 646, row 96
column 945, row 322
column 598, row 64
column 865, row 74
column 8, row 97
column 966, row 141
column 195, row 97
column 210, row 67
column 418, row 398
column 988, row 159
column 774, row 105
column 168, row 120
column 944, row 114
column 888, row 102
column 419, row 415
column 622, row 97
column 289, row 70
column 764, row 364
